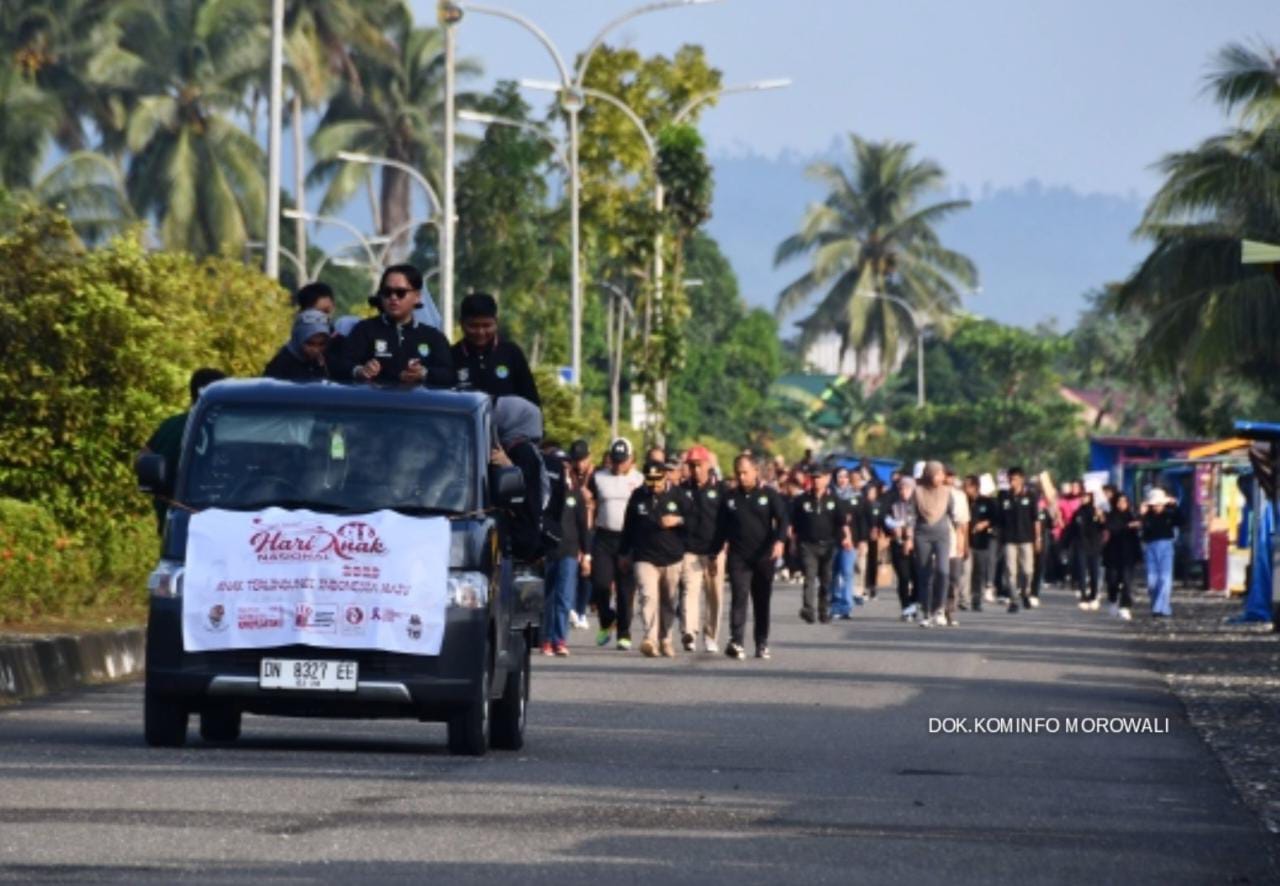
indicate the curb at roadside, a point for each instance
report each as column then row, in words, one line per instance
column 34, row 666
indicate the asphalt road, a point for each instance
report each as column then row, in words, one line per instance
column 815, row 767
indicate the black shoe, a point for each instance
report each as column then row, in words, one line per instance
column 825, row 618
column 762, row 651
column 1013, row 607
column 806, row 616
column 735, row 650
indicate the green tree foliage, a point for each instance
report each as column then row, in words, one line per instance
column 995, row 400
column 1208, row 314
column 872, row 235
column 98, row 348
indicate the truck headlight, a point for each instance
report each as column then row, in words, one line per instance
column 468, row 590
column 166, row 580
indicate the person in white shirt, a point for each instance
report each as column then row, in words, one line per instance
column 611, row 489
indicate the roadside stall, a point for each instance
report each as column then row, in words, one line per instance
column 1264, row 455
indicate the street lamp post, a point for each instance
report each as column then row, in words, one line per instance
column 345, row 225
column 275, row 125
column 571, row 86
column 615, row 340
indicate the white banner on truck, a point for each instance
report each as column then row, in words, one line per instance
column 277, row 577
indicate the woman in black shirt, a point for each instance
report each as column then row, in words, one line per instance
column 1121, row 553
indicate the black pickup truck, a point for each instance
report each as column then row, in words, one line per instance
column 327, row 448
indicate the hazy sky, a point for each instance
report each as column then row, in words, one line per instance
column 1085, row 93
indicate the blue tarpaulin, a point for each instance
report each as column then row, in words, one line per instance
column 1257, row 602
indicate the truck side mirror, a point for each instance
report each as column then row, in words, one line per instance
column 152, row 470
column 506, row 486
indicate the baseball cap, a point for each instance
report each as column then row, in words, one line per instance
column 698, row 453
column 579, row 450
column 620, row 450
column 671, row 464
column 655, row 470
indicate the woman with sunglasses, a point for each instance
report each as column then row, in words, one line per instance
column 396, row 347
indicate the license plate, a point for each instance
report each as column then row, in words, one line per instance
column 302, row 673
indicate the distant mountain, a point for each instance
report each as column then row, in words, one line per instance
column 1038, row 249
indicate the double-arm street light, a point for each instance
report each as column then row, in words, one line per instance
column 571, row 102
column 918, row 323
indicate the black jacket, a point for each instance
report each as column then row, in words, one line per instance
column 287, row 366
column 751, row 522
column 1123, row 547
column 643, row 537
column 394, row 346
column 499, row 370
column 704, row 514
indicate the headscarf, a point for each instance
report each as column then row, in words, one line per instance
column 933, row 498
column 517, row 419
column 306, row 324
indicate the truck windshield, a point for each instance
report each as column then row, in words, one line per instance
column 250, row 457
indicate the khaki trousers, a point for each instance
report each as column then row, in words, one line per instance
column 702, row 582
column 658, row 588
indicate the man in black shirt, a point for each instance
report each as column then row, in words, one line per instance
column 753, row 523
column 564, row 561
column 485, row 362
column 653, row 541
column 699, row 573
column 819, row 522
column 983, row 516
column 867, row 527
column 395, row 347
column 1020, row 533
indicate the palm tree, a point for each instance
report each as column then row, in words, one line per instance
column 28, row 116
column 871, row 236
column 186, row 66
column 395, row 110
column 1206, row 311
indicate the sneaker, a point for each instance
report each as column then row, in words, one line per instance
column 806, row 617
column 1013, row 607
column 989, row 596
column 734, row 650
column 825, row 618
column 668, row 650
column 603, row 635
column 1084, row 605
column 624, row 643
column 1125, row 614
column 1032, row 602
column 689, row 642
column 763, row 652
column 926, row 622
column 845, row 616
column 952, row 621
column 647, row 648
column 561, row 650
column 547, row 649
column 909, row 613
column 1095, row 605
column 711, row 646
column 940, row 619
column 859, row 600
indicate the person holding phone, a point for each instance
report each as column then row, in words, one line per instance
column 396, row 348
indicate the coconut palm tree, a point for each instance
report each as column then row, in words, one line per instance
column 186, row 66
column 28, row 116
column 1206, row 311
column 870, row 236
column 395, row 110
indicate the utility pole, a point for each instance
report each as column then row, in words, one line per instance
column 448, row 15
column 275, row 113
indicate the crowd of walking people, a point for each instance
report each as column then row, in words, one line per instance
column 663, row 536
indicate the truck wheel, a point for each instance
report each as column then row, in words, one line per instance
column 469, row 728
column 164, row 721
column 509, row 712
column 220, row 724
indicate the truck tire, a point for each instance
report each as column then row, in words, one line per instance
column 220, row 724
column 469, row 728
column 164, row 720
column 509, row 712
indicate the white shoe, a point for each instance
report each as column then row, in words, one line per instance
column 988, row 596
column 940, row 619
column 1095, row 604
column 711, row 646
column 1084, row 605
column 925, row 623
column 1125, row 614
column 1033, row 602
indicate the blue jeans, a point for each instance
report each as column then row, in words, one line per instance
column 1159, row 557
column 842, row 586
column 561, row 585
column 583, row 597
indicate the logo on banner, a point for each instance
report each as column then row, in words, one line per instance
column 259, row 618
column 415, row 627
column 313, row 542
column 216, row 618
column 354, row 616
column 314, row 617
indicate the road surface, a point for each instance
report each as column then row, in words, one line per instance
column 816, row 767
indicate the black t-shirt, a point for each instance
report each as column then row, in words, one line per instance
column 643, row 537
column 984, row 507
column 1122, row 546
column 871, row 517
column 1018, row 516
column 704, row 511
column 752, row 521
column 1086, row 529
column 499, row 370
column 394, row 345
column 573, row 525
column 1160, row 525
column 818, row 520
